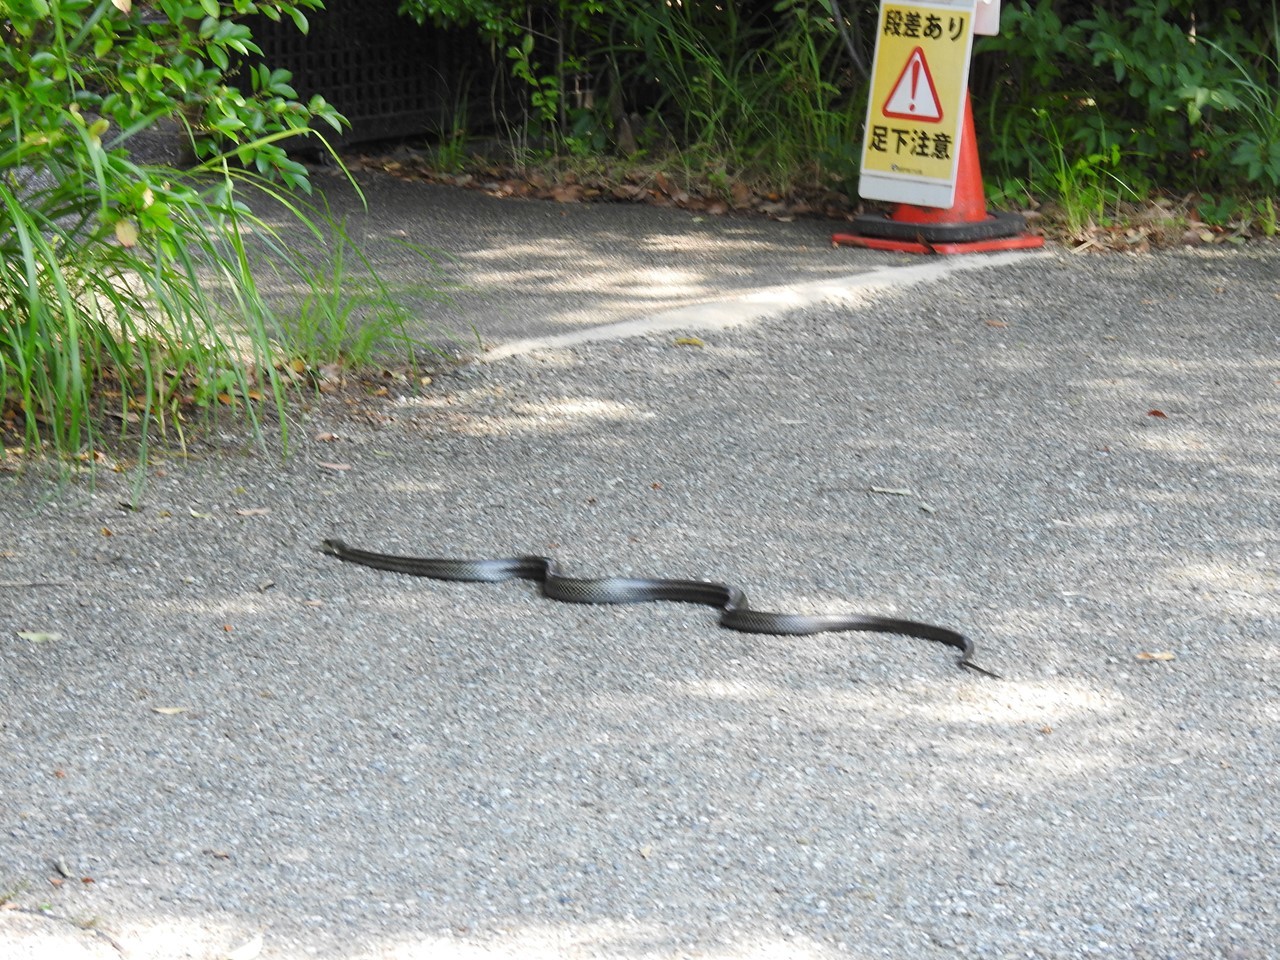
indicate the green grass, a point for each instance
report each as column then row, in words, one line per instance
column 356, row 319
column 758, row 97
column 117, row 330
column 103, row 322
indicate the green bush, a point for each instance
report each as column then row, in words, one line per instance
column 128, row 292
column 1188, row 93
column 754, row 87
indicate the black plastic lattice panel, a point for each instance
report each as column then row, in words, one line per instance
column 387, row 75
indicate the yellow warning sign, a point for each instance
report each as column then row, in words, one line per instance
column 915, row 114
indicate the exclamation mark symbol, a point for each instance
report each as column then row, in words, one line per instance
column 915, row 82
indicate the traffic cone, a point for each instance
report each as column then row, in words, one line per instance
column 963, row 227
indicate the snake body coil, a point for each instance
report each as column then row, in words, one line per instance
column 736, row 613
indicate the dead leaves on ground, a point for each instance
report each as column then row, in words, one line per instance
column 1138, row 228
column 1163, row 222
column 630, row 185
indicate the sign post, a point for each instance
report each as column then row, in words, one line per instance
column 919, row 150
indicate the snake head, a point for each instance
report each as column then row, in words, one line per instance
column 332, row 546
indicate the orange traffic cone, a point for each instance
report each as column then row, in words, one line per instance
column 963, row 227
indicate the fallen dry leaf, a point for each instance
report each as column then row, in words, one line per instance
column 568, row 193
column 38, row 636
column 1161, row 655
column 253, row 512
column 169, row 711
column 689, row 342
column 127, row 233
column 1159, row 414
column 336, row 466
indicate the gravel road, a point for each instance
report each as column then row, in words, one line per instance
column 219, row 742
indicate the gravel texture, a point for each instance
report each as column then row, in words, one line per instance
column 1082, row 454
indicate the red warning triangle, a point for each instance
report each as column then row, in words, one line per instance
column 913, row 96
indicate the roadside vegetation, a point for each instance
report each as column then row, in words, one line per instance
column 1119, row 122
column 133, row 297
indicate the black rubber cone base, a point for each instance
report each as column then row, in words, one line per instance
column 994, row 227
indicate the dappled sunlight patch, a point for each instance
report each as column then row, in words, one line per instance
column 739, row 690
column 534, row 250
column 1178, row 442
column 1030, row 733
column 161, row 938
column 579, row 407
column 595, row 278
column 1147, row 363
column 994, row 703
column 654, row 283
column 1033, row 702
column 486, row 413
column 605, row 939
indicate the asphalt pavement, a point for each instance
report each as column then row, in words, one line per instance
column 219, row 742
column 514, row 274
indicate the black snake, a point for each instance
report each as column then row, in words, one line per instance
column 736, row 614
